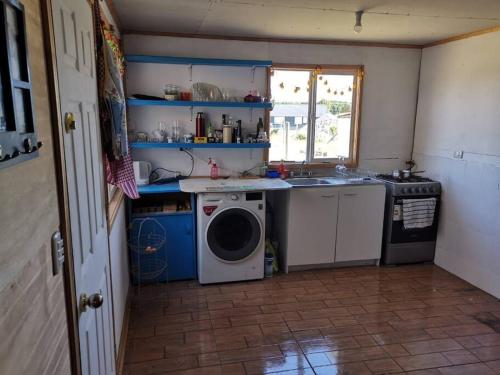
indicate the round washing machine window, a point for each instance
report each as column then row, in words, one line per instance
column 234, row 234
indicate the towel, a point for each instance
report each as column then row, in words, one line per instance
column 418, row 213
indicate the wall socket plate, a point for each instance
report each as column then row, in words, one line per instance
column 459, row 154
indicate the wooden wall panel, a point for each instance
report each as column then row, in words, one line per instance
column 33, row 324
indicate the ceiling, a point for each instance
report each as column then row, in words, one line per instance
column 415, row 22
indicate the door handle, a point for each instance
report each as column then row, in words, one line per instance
column 94, row 301
column 69, row 121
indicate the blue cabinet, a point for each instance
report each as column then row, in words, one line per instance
column 180, row 246
column 178, row 250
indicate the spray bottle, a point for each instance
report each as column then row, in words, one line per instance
column 214, row 171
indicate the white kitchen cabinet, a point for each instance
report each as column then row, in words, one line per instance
column 360, row 223
column 312, row 221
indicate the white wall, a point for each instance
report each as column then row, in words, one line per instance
column 389, row 98
column 459, row 110
column 119, row 270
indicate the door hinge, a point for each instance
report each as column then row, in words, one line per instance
column 57, row 252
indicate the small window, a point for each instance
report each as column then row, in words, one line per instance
column 17, row 130
column 315, row 117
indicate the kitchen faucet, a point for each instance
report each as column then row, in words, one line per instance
column 302, row 170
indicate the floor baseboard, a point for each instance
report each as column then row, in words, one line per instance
column 120, row 359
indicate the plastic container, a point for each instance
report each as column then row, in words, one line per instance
column 268, row 265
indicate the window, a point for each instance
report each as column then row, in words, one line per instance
column 315, row 117
column 17, row 131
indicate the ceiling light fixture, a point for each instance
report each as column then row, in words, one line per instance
column 357, row 26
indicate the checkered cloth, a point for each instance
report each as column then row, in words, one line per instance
column 117, row 160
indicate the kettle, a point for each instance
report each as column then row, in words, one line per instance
column 142, row 170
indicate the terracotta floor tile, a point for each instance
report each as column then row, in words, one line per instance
column 417, row 319
column 274, row 328
column 277, row 364
column 488, row 340
column 365, row 340
column 422, row 361
column 278, row 338
column 208, row 359
column 354, row 330
column 162, row 366
column 472, row 369
column 333, row 312
column 395, row 350
column 460, row 357
column 383, row 366
column 399, row 337
column 356, row 355
column 328, row 345
column 249, row 354
column 347, row 369
column 432, row 346
column 489, row 353
column 255, row 319
column 494, row 365
column 302, row 325
column 232, row 369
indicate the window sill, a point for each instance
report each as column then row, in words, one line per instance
column 113, row 207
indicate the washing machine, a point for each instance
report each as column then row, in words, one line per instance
column 231, row 238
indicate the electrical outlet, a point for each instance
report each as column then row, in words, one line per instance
column 459, row 154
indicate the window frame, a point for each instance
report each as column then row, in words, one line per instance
column 358, row 72
column 12, row 140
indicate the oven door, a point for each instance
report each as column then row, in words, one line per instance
column 399, row 234
column 234, row 234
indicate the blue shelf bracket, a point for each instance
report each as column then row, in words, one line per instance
column 253, row 73
column 190, row 69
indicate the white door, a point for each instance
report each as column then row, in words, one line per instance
column 360, row 223
column 74, row 39
column 312, row 223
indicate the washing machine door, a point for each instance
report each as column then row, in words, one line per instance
column 233, row 234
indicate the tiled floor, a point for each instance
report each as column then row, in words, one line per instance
column 364, row 320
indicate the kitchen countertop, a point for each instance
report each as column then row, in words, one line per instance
column 341, row 181
column 206, row 185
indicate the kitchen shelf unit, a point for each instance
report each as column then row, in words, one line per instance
column 150, row 145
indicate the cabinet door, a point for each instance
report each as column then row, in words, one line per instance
column 312, row 226
column 360, row 223
column 180, row 246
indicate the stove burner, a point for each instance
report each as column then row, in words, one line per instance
column 391, row 178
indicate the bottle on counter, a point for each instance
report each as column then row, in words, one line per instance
column 214, row 171
column 200, row 124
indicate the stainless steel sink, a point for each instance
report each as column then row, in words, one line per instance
column 307, row 181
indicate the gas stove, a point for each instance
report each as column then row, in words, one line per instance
column 410, row 186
